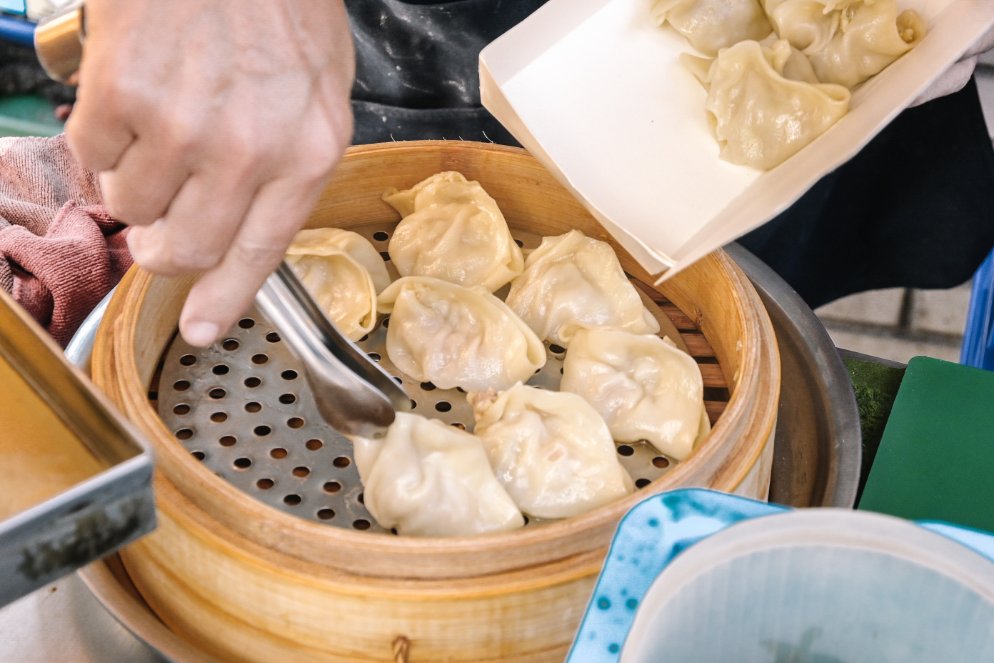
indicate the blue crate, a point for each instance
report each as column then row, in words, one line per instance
column 16, row 30
column 978, row 333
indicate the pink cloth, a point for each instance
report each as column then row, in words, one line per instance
column 60, row 251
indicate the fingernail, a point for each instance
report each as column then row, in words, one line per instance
column 200, row 334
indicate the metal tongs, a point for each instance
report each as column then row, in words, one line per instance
column 352, row 392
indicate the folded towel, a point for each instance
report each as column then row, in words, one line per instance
column 60, row 251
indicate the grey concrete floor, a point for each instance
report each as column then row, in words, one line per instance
column 899, row 324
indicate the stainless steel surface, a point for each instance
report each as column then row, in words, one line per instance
column 81, row 346
column 818, row 451
column 244, row 409
column 351, row 392
column 79, row 525
column 59, row 42
column 65, row 622
column 87, row 515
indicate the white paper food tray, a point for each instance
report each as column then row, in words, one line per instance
column 594, row 89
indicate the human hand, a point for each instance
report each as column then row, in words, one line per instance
column 214, row 126
column 958, row 75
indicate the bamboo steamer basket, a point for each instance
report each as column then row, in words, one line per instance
column 243, row 580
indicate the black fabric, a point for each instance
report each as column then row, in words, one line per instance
column 20, row 73
column 914, row 209
column 416, row 67
column 377, row 123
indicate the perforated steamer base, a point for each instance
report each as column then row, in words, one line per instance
column 244, row 408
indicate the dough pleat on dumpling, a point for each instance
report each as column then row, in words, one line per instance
column 760, row 117
column 321, row 241
column 710, row 25
column 807, row 24
column 870, row 36
column 792, row 64
column 573, row 281
column 643, row 386
column 550, row 450
column 452, row 230
column 338, row 272
column 453, row 336
column 426, row 478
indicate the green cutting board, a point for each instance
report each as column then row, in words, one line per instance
column 936, row 457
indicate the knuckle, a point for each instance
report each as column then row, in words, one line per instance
column 257, row 254
column 146, row 253
column 131, row 204
column 117, row 203
column 183, row 131
column 168, row 257
column 112, row 201
column 122, row 95
column 192, row 259
column 245, row 150
column 315, row 159
column 181, row 136
column 125, row 211
column 313, row 165
column 76, row 136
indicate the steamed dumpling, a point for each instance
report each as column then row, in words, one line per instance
column 325, row 262
column 573, row 281
column 453, row 230
column 786, row 59
column 643, row 386
column 322, row 241
column 550, row 450
column 710, row 25
column 759, row 116
column 426, row 478
column 870, row 35
column 453, row 336
column 807, row 24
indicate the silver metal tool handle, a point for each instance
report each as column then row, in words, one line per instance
column 352, row 392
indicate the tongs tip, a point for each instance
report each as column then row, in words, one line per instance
column 353, row 393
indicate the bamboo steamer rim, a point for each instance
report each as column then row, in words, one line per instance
column 117, row 371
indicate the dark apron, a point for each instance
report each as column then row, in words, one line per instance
column 914, row 209
column 416, row 67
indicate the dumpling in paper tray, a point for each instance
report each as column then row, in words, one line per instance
column 573, row 281
column 452, row 230
column 426, row 478
column 711, row 25
column 870, row 35
column 807, row 24
column 848, row 41
column 761, row 117
column 643, row 386
column 332, row 265
column 453, row 336
column 550, row 450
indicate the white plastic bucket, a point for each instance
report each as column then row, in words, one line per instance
column 819, row 586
